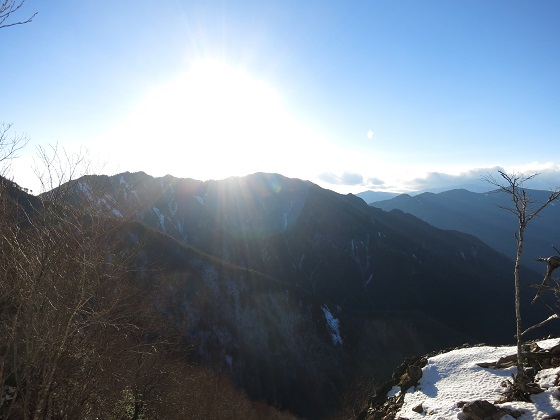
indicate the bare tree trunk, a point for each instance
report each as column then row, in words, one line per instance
column 524, row 209
column 519, row 329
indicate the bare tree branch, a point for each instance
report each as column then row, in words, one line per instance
column 552, row 263
column 10, row 145
column 540, row 324
column 7, row 9
column 56, row 169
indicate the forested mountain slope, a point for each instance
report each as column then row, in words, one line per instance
column 293, row 289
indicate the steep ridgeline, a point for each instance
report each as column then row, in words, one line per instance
column 295, row 290
column 480, row 214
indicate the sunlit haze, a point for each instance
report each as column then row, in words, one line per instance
column 390, row 96
column 219, row 122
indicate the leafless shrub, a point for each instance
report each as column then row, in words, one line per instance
column 10, row 145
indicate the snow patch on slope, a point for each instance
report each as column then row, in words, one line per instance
column 199, row 199
column 86, row 189
column 161, row 218
column 285, row 221
column 334, row 326
column 368, row 281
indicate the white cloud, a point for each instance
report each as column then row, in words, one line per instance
column 548, row 175
column 375, row 182
column 474, row 180
column 347, row 178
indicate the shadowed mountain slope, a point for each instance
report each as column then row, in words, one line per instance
column 479, row 214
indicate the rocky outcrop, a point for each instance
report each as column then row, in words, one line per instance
column 388, row 399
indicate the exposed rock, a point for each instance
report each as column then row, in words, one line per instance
column 410, row 377
column 406, row 375
column 482, row 410
column 419, row 409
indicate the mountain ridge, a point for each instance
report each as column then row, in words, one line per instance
column 355, row 288
column 483, row 215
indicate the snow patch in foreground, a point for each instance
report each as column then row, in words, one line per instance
column 455, row 376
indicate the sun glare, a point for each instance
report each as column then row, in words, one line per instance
column 212, row 122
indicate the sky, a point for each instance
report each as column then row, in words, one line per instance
column 400, row 95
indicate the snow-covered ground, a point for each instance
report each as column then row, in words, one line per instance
column 455, row 376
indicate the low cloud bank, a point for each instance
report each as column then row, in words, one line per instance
column 548, row 178
column 347, row 178
column 473, row 180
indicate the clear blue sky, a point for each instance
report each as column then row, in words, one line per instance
column 386, row 95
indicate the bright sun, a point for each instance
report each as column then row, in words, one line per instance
column 213, row 121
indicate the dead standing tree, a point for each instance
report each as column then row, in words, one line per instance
column 525, row 209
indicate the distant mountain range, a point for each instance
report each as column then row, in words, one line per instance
column 295, row 290
column 482, row 215
column 373, row 196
